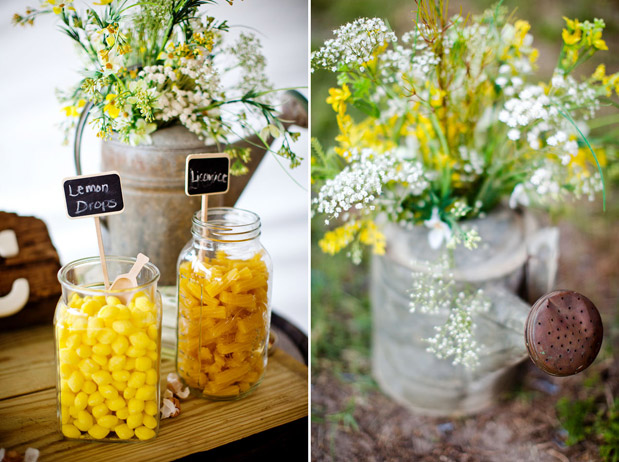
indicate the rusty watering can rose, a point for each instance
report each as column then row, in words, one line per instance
column 563, row 333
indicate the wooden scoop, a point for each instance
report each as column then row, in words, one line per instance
column 129, row 280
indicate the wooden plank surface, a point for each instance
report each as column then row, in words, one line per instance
column 28, row 407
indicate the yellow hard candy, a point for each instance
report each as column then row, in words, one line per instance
column 98, row 432
column 144, row 433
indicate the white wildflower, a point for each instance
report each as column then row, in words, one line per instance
column 440, row 231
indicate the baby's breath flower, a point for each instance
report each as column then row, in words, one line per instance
column 354, row 45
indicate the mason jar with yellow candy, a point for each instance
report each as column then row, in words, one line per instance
column 224, row 290
column 108, row 348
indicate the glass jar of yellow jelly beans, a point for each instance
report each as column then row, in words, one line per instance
column 224, row 289
column 108, row 346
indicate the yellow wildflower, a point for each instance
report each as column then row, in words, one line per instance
column 336, row 240
column 597, row 42
column 534, row 55
column 571, row 38
column 600, row 72
column 111, row 107
column 436, row 96
column 337, row 98
column 571, row 24
column 70, row 111
column 370, row 235
column 522, row 27
column 103, row 2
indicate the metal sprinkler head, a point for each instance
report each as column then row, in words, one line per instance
column 563, row 333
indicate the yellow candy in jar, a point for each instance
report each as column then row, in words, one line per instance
column 98, row 379
column 223, row 324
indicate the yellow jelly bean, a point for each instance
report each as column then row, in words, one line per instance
column 145, row 393
column 149, row 421
column 108, row 421
column 75, row 299
column 81, row 401
column 67, row 398
column 130, row 364
column 120, row 386
column 69, row 356
column 111, row 300
column 73, row 341
column 83, row 351
column 122, row 376
column 99, row 410
column 66, row 370
column 137, row 379
column 123, row 413
column 98, row 432
column 107, row 335
column 116, row 404
column 123, row 431
column 124, row 313
column 150, row 408
column 144, row 433
column 140, row 340
column 120, row 344
column 94, row 327
column 134, row 420
column 151, row 377
column 102, row 349
column 108, row 391
column 64, row 414
column 76, row 381
column 64, row 385
column 152, row 345
column 153, row 332
column 102, row 378
column 88, row 366
column 73, row 411
column 77, row 323
column 84, row 421
column 90, row 307
column 100, row 360
column 134, row 352
column 123, row 327
column 71, row 431
column 95, row 399
column 143, row 363
column 135, row 406
column 108, row 312
column 116, row 363
column 89, row 387
column 152, row 355
column 144, row 304
column 90, row 341
column 129, row 392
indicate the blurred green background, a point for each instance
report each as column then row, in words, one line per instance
column 341, row 320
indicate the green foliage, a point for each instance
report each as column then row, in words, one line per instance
column 575, row 418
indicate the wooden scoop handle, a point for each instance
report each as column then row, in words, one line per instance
column 140, row 261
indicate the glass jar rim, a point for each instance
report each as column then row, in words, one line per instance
column 228, row 222
column 62, row 274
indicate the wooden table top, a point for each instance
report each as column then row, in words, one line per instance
column 28, row 407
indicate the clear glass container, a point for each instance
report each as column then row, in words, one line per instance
column 224, row 314
column 108, row 352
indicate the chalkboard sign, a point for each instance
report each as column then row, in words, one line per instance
column 207, row 174
column 93, row 195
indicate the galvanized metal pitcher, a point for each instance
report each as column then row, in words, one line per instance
column 157, row 210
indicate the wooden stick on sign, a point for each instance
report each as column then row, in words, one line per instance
column 106, row 278
column 204, row 219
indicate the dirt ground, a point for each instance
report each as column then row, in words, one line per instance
column 524, row 426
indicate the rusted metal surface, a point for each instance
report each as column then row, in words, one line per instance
column 563, row 333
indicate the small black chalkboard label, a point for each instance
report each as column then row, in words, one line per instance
column 207, row 174
column 93, row 195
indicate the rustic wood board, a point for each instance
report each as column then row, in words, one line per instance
column 28, row 407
